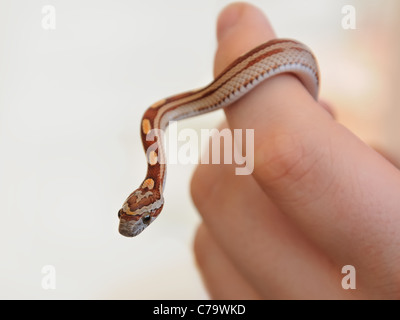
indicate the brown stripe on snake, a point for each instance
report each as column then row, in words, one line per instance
column 211, row 89
column 271, row 50
column 239, row 78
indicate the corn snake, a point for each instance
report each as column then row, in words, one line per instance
column 275, row 57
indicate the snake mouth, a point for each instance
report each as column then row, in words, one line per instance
column 127, row 228
column 131, row 228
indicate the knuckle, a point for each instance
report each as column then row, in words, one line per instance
column 205, row 186
column 200, row 247
column 289, row 160
column 198, row 187
column 282, row 156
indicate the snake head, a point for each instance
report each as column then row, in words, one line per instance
column 138, row 212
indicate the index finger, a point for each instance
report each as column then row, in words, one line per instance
column 337, row 190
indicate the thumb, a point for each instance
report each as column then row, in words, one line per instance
column 334, row 187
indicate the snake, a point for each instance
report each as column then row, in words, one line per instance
column 267, row 60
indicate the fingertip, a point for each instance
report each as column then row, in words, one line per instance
column 228, row 17
column 240, row 27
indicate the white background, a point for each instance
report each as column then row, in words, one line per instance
column 71, row 100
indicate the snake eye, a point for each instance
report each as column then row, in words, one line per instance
column 119, row 214
column 146, row 219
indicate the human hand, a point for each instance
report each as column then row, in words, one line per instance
column 318, row 199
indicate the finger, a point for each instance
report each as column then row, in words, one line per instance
column 328, row 108
column 337, row 190
column 261, row 243
column 233, row 22
column 388, row 156
column 220, row 276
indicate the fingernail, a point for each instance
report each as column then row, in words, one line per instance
column 228, row 18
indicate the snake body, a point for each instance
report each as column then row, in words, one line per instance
column 265, row 61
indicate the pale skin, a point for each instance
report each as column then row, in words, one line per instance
column 318, row 199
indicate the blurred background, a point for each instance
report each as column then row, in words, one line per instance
column 71, row 99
